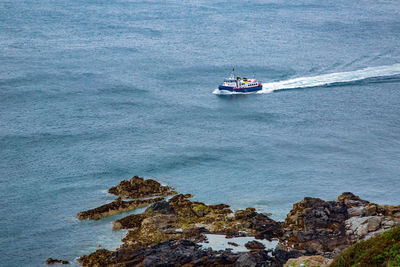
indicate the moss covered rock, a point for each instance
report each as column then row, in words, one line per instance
column 138, row 187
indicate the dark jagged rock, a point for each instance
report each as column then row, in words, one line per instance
column 117, row 206
column 234, row 233
column 282, row 255
column 54, row 261
column 317, row 226
column 177, row 253
column 129, row 222
column 162, row 207
column 254, row 245
column 138, row 187
column 262, row 226
column 135, row 220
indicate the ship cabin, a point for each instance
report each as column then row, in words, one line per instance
column 231, row 82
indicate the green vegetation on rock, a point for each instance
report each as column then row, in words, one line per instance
column 381, row 250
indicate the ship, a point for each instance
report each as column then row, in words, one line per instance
column 240, row 85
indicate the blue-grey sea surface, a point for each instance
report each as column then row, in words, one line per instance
column 93, row 92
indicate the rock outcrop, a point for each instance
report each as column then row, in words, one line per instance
column 180, row 222
column 50, row 261
column 140, row 193
column 175, row 252
column 138, row 187
column 180, row 218
column 117, row 206
column 133, row 221
column 166, row 233
column 316, row 226
column 100, row 257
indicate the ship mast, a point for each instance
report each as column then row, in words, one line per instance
column 233, row 77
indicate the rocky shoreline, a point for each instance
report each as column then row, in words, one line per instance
column 169, row 231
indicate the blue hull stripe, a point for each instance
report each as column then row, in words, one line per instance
column 248, row 89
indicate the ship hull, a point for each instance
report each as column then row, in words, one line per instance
column 240, row 90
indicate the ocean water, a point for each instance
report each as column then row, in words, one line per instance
column 93, row 92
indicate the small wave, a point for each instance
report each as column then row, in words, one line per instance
column 333, row 78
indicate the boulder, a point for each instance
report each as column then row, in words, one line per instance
column 50, row 261
column 245, row 260
column 309, row 261
column 369, row 210
column 374, row 223
column 355, row 223
column 254, row 245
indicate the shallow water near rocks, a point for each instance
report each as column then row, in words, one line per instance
column 220, row 242
column 95, row 92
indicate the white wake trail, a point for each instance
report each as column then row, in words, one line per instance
column 332, row 78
